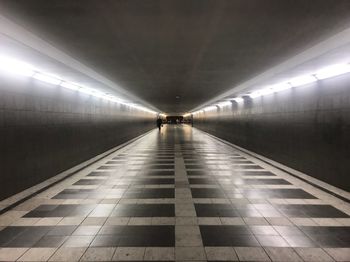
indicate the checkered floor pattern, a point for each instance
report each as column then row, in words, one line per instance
column 178, row 195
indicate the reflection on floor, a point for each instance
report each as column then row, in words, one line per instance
column 178, row 195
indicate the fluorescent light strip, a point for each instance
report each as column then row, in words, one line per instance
column 261, row 92
column 47, row 79
column 302, row 80
column 70, row 86
column 224, row 103
column 280, row 87
column 321, row 74
column 197, row 112
column 255, row 94
column 16, row 67
column 238, row 99
column 332, row 71
column 209, row 108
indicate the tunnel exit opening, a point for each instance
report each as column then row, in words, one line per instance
column 173, row 120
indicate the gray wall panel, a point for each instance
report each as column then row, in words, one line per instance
column 306, row 128
column 45, row 130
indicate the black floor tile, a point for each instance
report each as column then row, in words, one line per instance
column 204, row 167
column 317, row 211
column 165, row 166
column 89, row 182
column 157, row 162
column 113, row 162
column 150, row 193
column 28, row 237
column 216, row 210
column 266, row 182
column 144, row 210
column 9, row 233
column 278, row 193
column 156, row 173
column 324, row 230
column 101, row 173
column 239, row 236
column 207, row 193
column 246, row 167
column 62, row 230
column 249, row 212
column 328, row 241
column 198, row 173
column 202, row 181
column 51, row 241
column 108, row 167
column 255, row 173
column 135, row 236
column 154, row 181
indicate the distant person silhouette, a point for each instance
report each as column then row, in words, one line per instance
column 159, row 123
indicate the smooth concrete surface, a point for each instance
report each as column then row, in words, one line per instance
column 178, row 195
column 45, row 130
column 306, row 128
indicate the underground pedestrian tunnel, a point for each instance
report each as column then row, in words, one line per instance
column 251, row 158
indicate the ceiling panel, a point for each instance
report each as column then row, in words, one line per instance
column 191, row 49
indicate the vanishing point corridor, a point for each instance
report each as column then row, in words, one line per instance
column 178, row 194
column 175, row 130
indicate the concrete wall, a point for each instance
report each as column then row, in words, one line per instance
column 45, row 130
column 306, row 128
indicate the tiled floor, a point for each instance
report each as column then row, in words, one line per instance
column 174, row 196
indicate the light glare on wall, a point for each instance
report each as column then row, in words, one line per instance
column 16, row 67
column 197, row 112
column 70, row 86
column 47, row 79
column 89, row 91
column 332, row 71
column 261, row 92
column 238, row 99
column 225, row 103
column 210, row 108
column 302, row 80
column 323, row 73
column 280, row 87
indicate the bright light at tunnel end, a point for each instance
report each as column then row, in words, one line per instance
column 302, row 80
column 16, row 67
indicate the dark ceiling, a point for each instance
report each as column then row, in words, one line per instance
column 193, row 49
